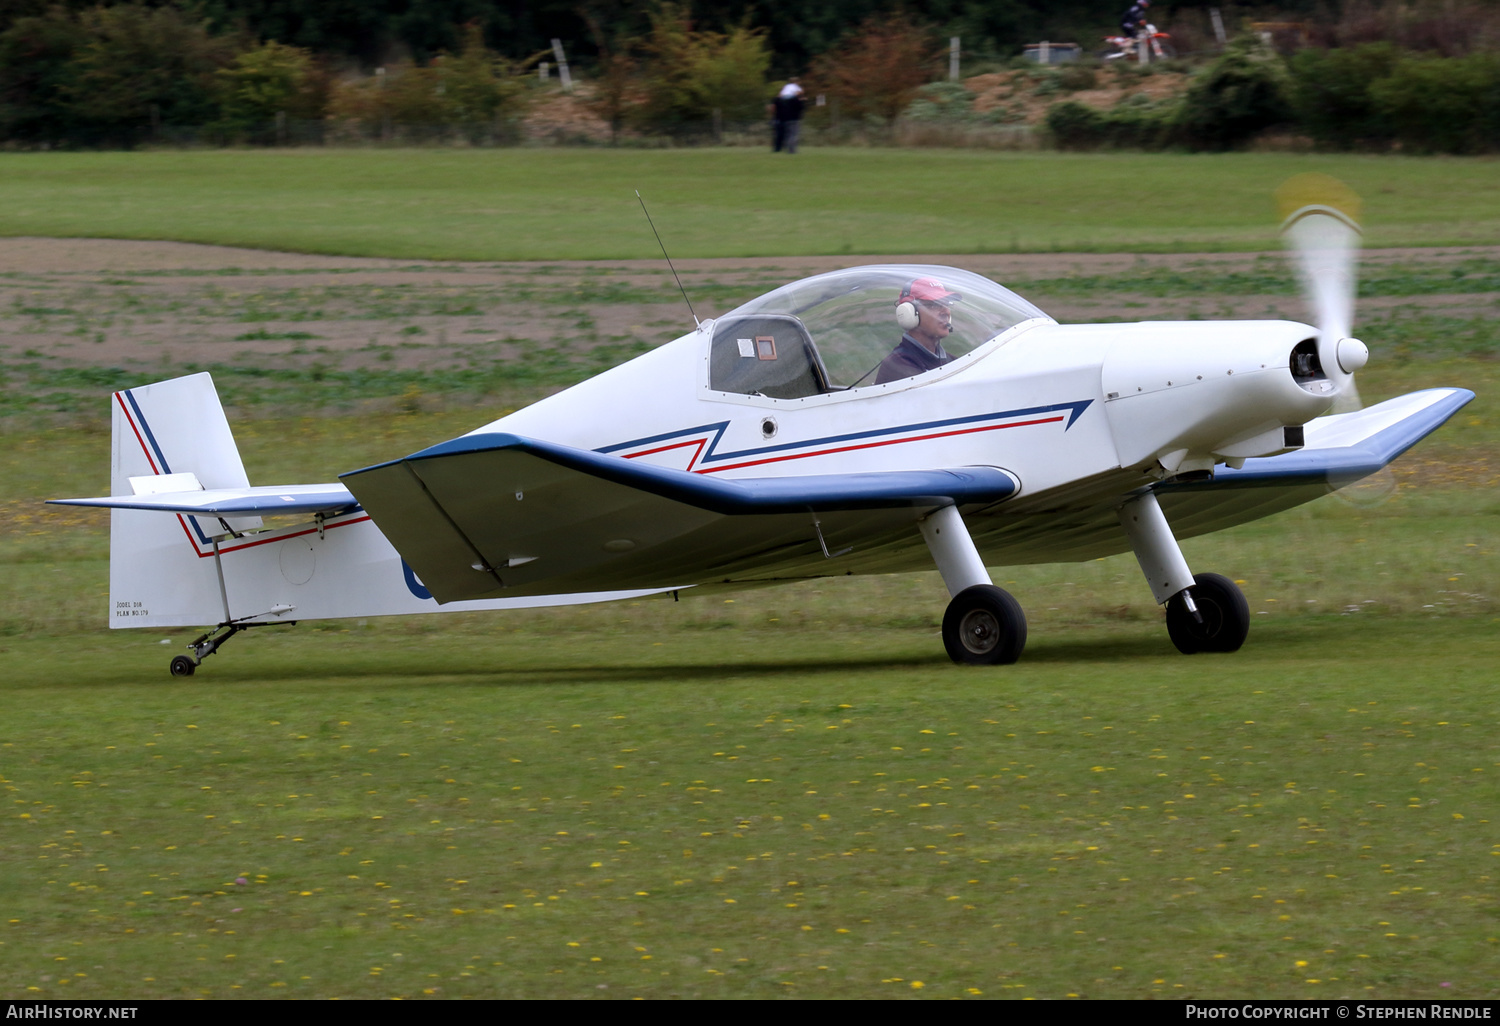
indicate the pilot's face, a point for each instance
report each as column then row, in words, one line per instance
column 935, row 322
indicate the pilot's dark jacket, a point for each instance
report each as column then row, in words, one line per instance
column 908, row 358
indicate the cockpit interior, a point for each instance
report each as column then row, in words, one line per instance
column 831, row 332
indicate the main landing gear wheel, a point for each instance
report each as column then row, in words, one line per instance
column 182, row 666
column 1225, row 613
column 984, row 625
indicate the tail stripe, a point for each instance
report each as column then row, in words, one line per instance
column 158, row 462
column 155, row 448
column 120, row 398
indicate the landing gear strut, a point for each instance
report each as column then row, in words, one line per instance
column 984, row 624
column 209, row 642
column 1205, row 612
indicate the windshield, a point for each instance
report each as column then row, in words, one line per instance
column 857, row 328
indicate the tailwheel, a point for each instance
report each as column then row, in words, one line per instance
column 182, row 666
column 984, row 625
column 1223, row 618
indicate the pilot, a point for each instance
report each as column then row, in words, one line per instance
column 924, row 311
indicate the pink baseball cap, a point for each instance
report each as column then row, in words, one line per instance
column 928, row 290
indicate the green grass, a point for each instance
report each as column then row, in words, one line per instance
column 790, row 792
column 1273, row 275
column 558, row 203
column 755, row 814
column 787, row 791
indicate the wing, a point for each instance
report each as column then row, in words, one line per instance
column 492, row 514
column 1080, row 523
column 1338, row 451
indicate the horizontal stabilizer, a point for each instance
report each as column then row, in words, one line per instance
column 224, row 502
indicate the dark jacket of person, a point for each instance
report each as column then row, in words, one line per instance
column 908, row 358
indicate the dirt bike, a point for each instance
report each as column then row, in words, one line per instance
column 1157, row 46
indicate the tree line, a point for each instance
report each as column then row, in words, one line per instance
column 1360, row 75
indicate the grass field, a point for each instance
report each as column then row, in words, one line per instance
column 786, row 792
column 756, row 813
column 549, row 204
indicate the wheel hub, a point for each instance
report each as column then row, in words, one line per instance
column 980, row 631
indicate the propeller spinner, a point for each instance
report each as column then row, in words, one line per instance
column 1321, row 226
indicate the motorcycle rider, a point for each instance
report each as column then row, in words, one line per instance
column 1134, row 21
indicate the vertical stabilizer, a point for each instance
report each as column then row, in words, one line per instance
column 169, row 436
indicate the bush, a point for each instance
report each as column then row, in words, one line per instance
column 1076, row 77
column 877, row 71
column 1331, row 95
column 943, row 102
column 141, row 68
column 1132, row 125
column 1077, row 126
column 272, row 79
column 1240, row 95
column 477, row 93
column 616, row 91
column 690, row 74
column 1442, row 105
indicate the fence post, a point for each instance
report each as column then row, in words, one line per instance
column 562, row 66
column 385, row 115
column 953, row 58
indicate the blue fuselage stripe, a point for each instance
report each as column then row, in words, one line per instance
column 710, row 456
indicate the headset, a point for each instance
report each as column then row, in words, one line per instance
column 907, row 314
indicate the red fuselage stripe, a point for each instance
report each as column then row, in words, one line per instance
column 876, row 445
column 675, row 445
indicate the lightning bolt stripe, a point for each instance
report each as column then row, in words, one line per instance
column 708, row 437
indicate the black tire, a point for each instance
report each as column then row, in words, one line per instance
column 182, row 666
column 1226, row 617
column 1168, row 51
column 984, row 626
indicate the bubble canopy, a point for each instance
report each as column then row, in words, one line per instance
column 847, row 330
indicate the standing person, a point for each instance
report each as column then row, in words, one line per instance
column 787, row 117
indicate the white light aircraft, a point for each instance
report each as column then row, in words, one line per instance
column 870, row 420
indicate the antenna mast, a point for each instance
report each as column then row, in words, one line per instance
column 652, row 223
